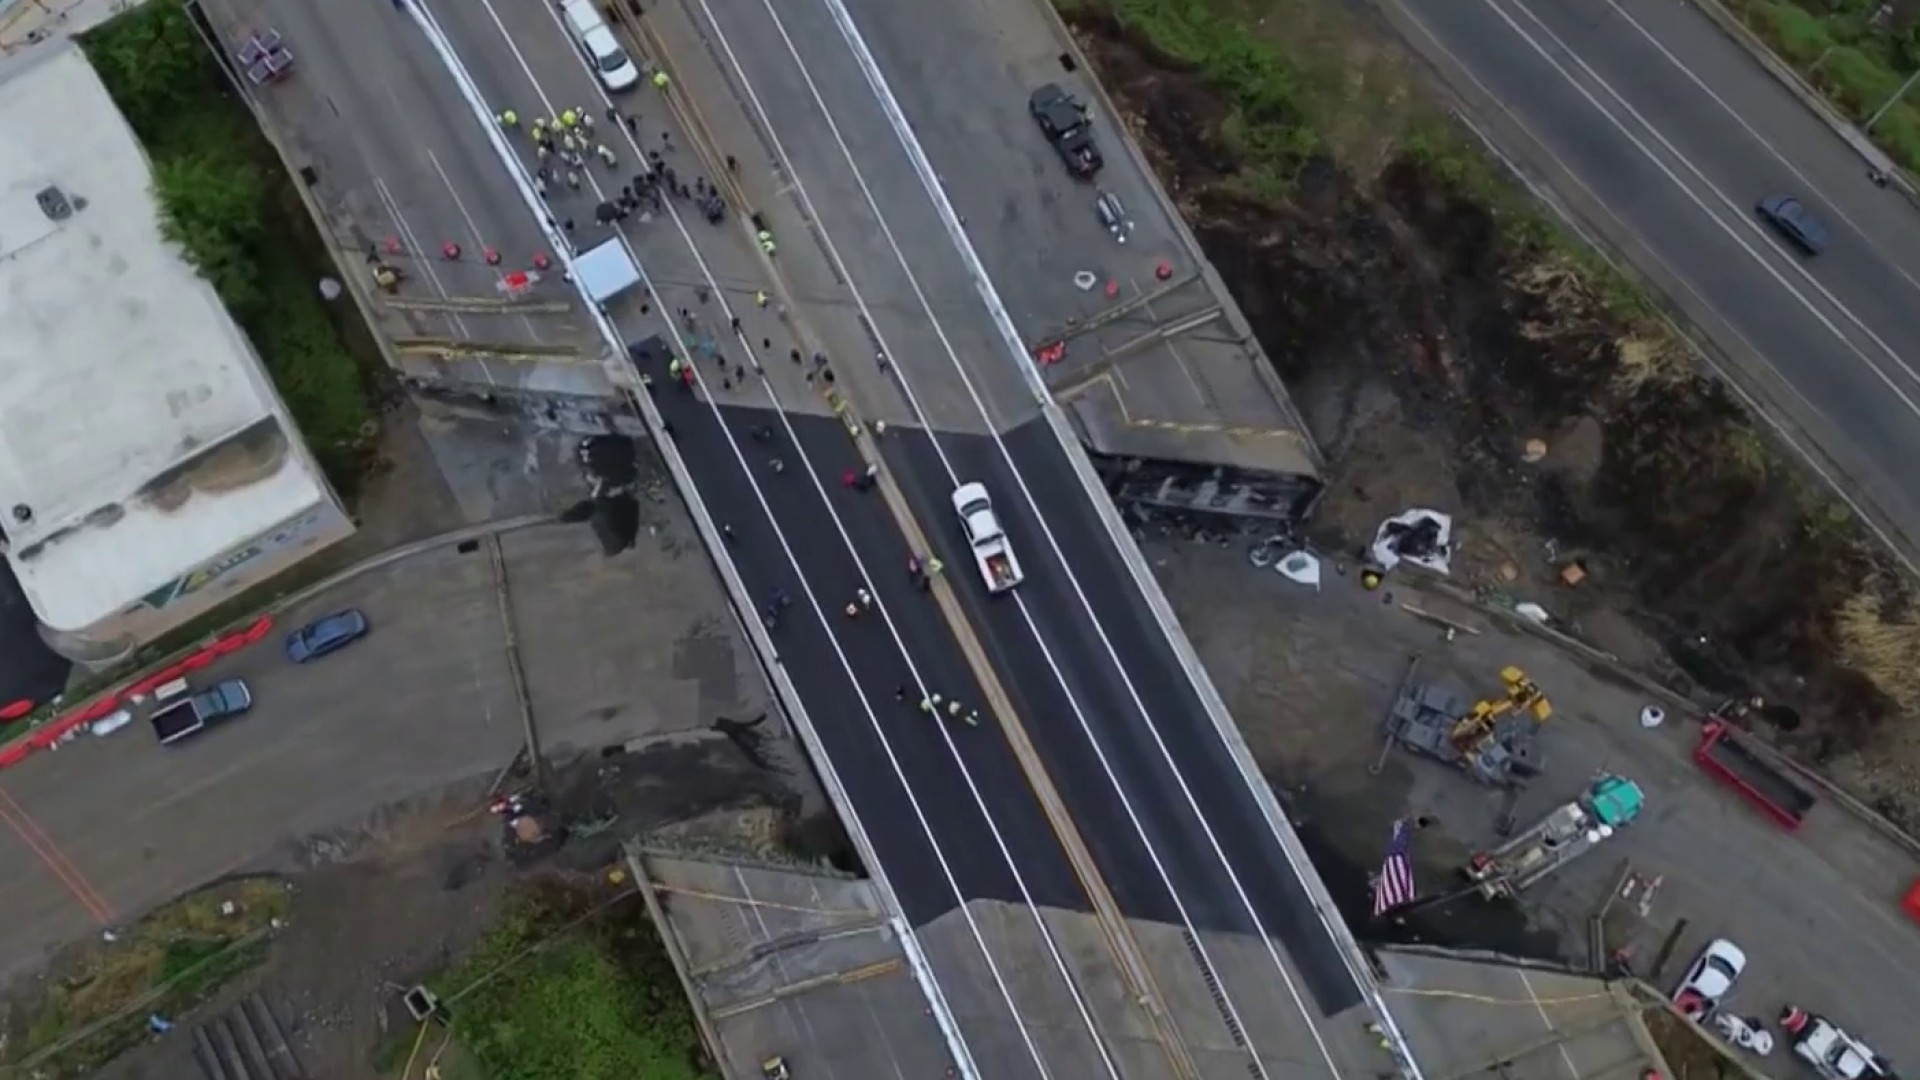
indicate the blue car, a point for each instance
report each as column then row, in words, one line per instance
column 327, row 634
column 1791, row 218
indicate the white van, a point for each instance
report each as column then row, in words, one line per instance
column 603, row 50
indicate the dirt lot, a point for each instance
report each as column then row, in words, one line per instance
column 380, row 905
column 1429, row 339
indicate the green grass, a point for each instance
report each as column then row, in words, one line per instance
column 98, row 997
column 541, row 997
column 1267, row 123
column 1856, row 63
column 1305, row 78
column 227, row 201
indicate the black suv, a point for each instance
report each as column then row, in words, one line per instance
column 1063, row 119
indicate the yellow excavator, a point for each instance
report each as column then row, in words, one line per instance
column 1480, row 723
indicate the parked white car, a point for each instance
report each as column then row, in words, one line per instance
column 1709, row 979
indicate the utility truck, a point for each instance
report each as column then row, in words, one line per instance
column 1609, row 804
column 998, row 567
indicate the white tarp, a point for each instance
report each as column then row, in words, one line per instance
column 1300, row 567
column 1421, row 537
column 605, row 271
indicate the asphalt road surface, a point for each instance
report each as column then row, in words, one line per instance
column 1119, row 724
column 398, row 165
column 1114, row 716
column 949, row 809
column 897, row 764
column 1655, row 117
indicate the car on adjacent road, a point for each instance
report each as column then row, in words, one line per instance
column 327, row 634
column 1792, row 220
column 1709, row 979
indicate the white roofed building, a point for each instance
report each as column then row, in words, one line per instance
column 148, row 469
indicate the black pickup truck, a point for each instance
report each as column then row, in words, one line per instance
column 188, row 716
column 1063, row 119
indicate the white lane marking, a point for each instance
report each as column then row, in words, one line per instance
column 1740, row 214
column 903, row 131
column 792, row 1012
column 1864, row 236
column 910, row 945
column 847, row 274
column 479, row 238
column 1013, row 469
column 1726, row 377
column 1566, row 1058
column 412, row 241
column 899, row 641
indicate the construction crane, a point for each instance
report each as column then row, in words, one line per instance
column 1482, row 722
column 1492, row 740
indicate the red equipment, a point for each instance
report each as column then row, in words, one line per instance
column 1728, row 753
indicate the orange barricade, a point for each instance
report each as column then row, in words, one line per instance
column 53, row 730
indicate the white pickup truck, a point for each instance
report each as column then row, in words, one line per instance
column 990, row 548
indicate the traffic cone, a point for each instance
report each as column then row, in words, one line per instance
column 450, row 251
column 492, row 256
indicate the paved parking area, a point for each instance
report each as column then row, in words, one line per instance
column 613, row 650
column 1309, row 675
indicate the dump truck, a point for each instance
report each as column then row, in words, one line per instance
column 1609, row 804
column 182, row 715
column 998, row 568
column 1729, row 754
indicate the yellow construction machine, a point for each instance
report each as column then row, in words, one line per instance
column 1481, row 723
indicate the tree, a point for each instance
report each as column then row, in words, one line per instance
column 154, row 63
column 212, row 203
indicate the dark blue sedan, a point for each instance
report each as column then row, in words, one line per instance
column 327, row 634
column 1791, row 218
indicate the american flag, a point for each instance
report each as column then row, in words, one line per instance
column 1393, row 885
